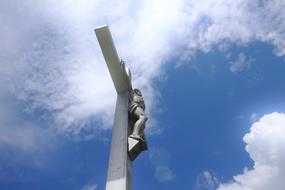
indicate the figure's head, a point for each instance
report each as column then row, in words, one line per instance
column 138, row 92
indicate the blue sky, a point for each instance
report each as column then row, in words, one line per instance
column 211, row 73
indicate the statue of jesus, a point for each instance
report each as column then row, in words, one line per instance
column 138, row 116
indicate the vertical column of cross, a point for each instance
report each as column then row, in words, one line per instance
column 119, row 169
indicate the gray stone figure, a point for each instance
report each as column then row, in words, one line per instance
column 138, row 117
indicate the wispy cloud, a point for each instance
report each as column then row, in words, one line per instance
column 243, row 63
column 160, row 159
column 23, row 146
column 206, row 181
column 163, row 173
column 90, row 187
column 253, row 117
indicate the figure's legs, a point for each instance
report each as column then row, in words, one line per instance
column 138, row 132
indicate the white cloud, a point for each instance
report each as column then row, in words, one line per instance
column 52, row 61
column 19, row 133
column 160, row 160
column 253, row 117
column 25, row 137
column 206, row 181
column 266, row 147
column 90, row 187
column 24, row 144
column 163, row 173
column 243, row 63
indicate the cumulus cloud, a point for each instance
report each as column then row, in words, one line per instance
column 265, row 144
column 51, row 60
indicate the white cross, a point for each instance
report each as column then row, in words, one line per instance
column 119, row 170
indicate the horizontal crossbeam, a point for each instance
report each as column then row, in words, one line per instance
column 118, row 71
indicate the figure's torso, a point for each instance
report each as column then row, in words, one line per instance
column 136, row 101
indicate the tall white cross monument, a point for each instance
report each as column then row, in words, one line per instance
column 123, row 148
